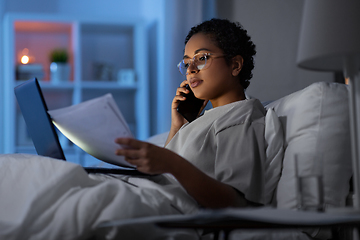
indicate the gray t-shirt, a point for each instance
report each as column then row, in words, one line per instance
column 227, row 143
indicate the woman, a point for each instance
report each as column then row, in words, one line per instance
column 218, row 158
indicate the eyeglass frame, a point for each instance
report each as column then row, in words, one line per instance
column 193, row 61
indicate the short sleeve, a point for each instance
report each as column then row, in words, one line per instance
column 239, row 158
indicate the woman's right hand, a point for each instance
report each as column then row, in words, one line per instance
column 177, row 120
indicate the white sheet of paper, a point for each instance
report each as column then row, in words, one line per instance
column 93, row 125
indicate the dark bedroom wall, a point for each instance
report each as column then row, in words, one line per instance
column 274, row 26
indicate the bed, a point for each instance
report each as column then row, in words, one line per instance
column 44, row 198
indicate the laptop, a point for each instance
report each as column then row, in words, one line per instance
column 42, row 131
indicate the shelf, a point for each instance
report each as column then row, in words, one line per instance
column 39, row 38
column 101, row 52
column 107, row 85
column 69, row 85
column 49, row 85
column 107, row 47
column 40, row 26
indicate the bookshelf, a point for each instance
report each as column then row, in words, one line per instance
column 100, row 54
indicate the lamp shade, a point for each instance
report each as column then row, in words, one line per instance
column 329, row 34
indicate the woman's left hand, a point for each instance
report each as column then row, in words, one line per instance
column 147, row 157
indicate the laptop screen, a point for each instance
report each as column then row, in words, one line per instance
column 40, row 127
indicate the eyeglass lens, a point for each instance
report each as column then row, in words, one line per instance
column 199, row 61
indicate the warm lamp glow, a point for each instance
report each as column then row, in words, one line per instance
column 347, row 81
column 25, row 59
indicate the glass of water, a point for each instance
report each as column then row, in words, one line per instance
column 309, row 182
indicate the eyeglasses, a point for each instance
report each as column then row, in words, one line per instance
column 201, row 61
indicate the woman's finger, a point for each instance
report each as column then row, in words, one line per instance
column 131, row 142
column 128, row 153
column 182, row 88
column 183, row 83
column 135, row 162
column 179, row 98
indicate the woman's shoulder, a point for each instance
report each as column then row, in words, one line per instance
column 248, row 108
column 239, row 113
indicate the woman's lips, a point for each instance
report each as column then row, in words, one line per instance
column 195, row 83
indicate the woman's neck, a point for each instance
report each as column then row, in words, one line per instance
column 233, row 96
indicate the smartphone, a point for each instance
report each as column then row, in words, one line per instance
column 190, row 108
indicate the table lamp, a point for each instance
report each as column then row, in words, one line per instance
column 330, row 41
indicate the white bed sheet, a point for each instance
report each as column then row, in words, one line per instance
column 43, row 198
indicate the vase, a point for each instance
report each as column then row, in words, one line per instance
column 59, row 72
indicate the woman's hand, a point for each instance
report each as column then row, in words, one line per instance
column 147, row 157
column 177, row 120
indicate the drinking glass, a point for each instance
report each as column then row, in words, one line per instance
column 309, row 182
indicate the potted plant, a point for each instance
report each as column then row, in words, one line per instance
column 59, row 67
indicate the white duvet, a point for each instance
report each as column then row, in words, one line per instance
column 43, row 198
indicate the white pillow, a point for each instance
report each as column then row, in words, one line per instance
column 316, row 119
column 158, row 139
column 274, row 139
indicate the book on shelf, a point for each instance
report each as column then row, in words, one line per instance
column 93, row 126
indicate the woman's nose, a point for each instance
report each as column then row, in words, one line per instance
column 192, row 68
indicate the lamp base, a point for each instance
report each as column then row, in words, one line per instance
column 353, row 74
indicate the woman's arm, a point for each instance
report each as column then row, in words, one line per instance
column 176, row 119
column 172, row 133
column 207, row 191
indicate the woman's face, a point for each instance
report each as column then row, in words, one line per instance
column 215, row 82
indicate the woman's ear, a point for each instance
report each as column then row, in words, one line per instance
column 237, row 64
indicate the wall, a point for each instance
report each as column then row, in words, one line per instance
column 274, row 27
column 109, row 9
column 33, row 6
